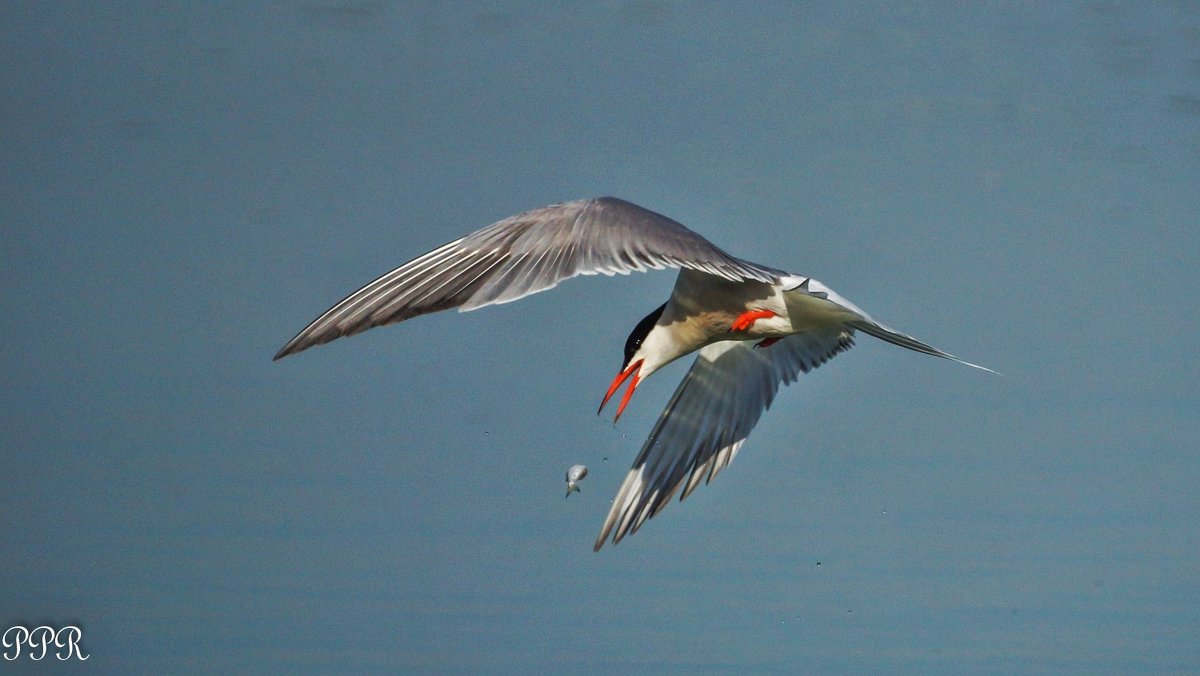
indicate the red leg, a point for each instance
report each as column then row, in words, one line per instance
column 747, row 319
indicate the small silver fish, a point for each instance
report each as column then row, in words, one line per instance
column 574, row 476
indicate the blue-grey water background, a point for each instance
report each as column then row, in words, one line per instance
column 183, row 186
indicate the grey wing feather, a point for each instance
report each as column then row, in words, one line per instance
column 709, row 418
column 524, row 254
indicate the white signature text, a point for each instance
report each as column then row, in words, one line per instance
column 39, row 641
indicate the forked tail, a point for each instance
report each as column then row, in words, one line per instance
column 904, row 340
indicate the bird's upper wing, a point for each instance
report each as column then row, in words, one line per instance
column 709, row 417
column 524, row 254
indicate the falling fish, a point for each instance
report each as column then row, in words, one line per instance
column 574, row 476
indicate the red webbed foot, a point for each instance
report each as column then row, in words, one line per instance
column 747, row 319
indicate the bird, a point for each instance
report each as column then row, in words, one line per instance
column 575, row 474
column 753, row 328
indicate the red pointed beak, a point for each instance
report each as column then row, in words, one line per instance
column 632, row 369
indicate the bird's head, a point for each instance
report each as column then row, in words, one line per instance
column 641, row 358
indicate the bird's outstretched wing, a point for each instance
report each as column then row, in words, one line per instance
column 709, row 417
column 524, row 254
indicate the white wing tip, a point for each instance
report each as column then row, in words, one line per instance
column 976, row 366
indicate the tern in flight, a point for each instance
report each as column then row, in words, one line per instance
column 754, row 327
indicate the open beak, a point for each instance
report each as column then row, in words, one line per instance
column 633, row 370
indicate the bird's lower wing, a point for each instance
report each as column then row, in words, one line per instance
column 708, row 419
column 524, row 254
